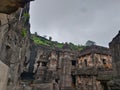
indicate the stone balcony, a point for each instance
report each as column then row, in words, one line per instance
column 104, row 75
column 101, row 74
column 86, row 71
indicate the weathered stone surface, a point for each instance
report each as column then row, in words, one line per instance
column 94, row 68
column 115, row 49
column 53, row 66
column 10, row 6
column 4, row 71
column 14, row 45
column 44, row 86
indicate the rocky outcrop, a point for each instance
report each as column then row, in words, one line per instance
column 15, row 43
column 10, row 6
column 115, row 49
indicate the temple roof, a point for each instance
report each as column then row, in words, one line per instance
column 95, row 49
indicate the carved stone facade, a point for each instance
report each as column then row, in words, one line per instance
column 93, row 61
column 89, row 69
column 54, row 66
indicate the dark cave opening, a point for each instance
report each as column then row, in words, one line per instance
column 73, row 81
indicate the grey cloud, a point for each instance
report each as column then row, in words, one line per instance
column 76, row 20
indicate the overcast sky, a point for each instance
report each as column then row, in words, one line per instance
column 76, row 21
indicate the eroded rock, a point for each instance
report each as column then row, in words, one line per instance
column 10, row 6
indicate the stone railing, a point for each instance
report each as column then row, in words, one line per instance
column 104, row 75
column 86, row 71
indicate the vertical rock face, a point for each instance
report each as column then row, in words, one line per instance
column 115, row 49
column 14, row 43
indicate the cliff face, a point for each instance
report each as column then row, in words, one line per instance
column 115, row 49
column 15, row 43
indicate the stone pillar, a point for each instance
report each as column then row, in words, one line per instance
column 65, row 77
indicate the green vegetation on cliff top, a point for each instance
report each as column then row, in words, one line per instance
column 54, row 44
